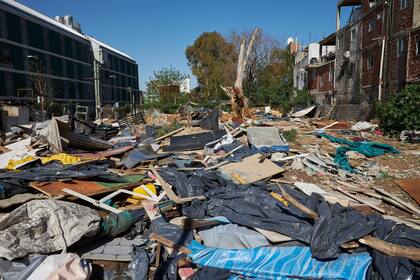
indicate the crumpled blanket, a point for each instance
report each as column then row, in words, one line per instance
column 369, row 149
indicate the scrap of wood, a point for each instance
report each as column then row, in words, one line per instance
column 312, row 214
column 406, row 204
column 169, row 134
column 170, row 244
column 361, row 200
column 389, row 200
column 390, row 249
column 170, row 193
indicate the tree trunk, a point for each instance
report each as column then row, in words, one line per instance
column 238, row 100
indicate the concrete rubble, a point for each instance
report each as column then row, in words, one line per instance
column 196, row 195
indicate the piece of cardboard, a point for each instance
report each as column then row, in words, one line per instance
column 250, row 170
column 410, row 186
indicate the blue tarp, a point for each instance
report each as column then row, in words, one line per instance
column 280, row 262
column 369, row 149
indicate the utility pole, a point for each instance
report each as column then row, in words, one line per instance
column 97, row 83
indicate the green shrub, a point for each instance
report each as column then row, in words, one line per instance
column 400, row 111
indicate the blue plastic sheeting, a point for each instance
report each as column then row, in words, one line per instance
column 280, row 262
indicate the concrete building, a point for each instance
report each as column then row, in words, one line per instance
column 81, row 69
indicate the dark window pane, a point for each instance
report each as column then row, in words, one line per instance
column 70, row 69
column 71, row 87
column 56, row 66
column 55, row 42
column 14, row 28
column 68, row 47
column 58, row 88
column 35, row 35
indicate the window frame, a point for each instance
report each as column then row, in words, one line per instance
column 418, row 47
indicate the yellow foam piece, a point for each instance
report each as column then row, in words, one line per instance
column 142, row 191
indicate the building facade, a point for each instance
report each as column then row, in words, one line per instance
column 374, row 54
column 63, row 55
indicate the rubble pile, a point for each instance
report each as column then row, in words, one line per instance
column 197, row 195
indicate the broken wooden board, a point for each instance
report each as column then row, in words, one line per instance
column 104, row 154
column 250, row 170
column 53, row 189
column 410, row 186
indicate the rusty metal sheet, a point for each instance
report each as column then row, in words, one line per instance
column 410, row 186
column 55, row 188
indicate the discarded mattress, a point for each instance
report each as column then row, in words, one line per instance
column 193, row 141
column 280, row 262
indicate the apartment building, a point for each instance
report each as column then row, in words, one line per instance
column 81, row 69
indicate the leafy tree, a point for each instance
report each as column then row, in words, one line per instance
column 400, row 111
column 213, row 61
column 165, row 77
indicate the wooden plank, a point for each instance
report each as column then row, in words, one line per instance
column 408, row 205
column 361, row 200
column 170, row 134
column 170, row 193
column 170, row 244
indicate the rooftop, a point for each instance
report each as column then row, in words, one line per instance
column 57, row 24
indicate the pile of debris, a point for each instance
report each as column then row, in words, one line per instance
column 279, row 197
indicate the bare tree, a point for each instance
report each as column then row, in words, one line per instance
column 41, row 83
column 260, row 56
column 238, row 100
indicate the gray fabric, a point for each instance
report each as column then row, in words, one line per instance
column 45, row 226
column 232, row 236
column 20, row 199
column 20, row 270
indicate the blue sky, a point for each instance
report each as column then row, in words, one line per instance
column 157, row 32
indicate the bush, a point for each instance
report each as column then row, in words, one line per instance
column 400, row 111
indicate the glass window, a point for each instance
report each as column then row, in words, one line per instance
column 56, row 66
column 404, row 4
column 418, row 47
column 20, row 82
column 353, row 35
column 2, row 23
column 401, row 46
column 58, row 88
column 35, row 35
column 13, row 28
column 2, row 84
column 71, row 88
column 54, row 41
column 70, row 69
column 68, row 47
